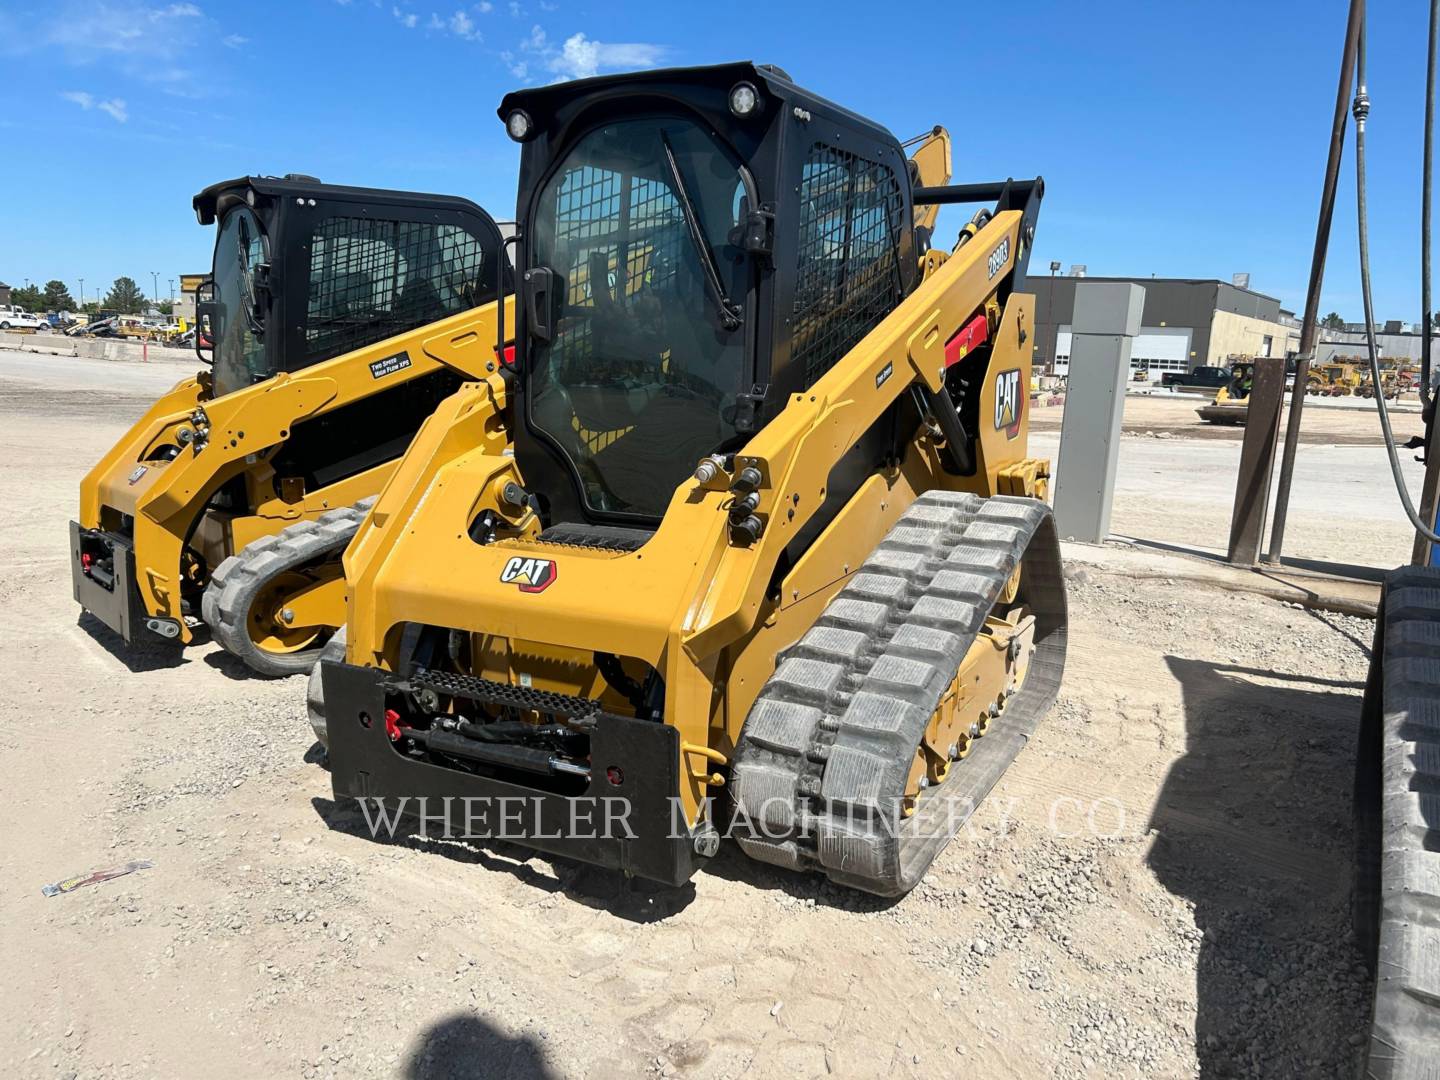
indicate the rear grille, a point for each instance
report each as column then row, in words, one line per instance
column 490, row 692
column 600, row 537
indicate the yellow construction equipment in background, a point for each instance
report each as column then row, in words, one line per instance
column 1337, row 378
column 340, row 318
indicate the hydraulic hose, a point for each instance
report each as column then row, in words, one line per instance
column 1361, row 110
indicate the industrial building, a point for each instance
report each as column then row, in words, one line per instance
column 1186, row 323
column 1390, row 342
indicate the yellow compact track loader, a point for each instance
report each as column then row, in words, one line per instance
column 750, row 542
column 340, row 317
column 1232, row 401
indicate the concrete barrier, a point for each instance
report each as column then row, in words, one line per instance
column 119, row 349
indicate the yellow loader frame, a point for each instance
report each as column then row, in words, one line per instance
column 219, row 439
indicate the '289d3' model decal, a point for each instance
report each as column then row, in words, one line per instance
column 1009, row 403
column 999, row 257
column 530, row 575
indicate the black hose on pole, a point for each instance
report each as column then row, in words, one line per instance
column 1362, row 111
column 1425, row 171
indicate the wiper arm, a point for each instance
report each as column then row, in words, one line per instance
column 247, row 279
column 730, row 315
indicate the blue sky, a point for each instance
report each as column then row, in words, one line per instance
column 1179, row 138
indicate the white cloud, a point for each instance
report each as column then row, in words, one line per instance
column 518, row 68
column 114, row 107
column 459, row 24
column 484, row 7
column 408, row 19
column 148, row 42
column 462, row 26
column 234, row 41
column 581, row 57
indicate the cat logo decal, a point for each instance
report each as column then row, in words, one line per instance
column 1009, row 405
column 530, row 575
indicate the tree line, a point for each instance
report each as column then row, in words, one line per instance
column 124, row 296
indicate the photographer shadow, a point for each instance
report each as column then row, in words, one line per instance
column 466, row 1047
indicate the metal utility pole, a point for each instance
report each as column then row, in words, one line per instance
column 1050, row 317
column 1257, row 458
column 154, row 287
column 1317, row 277
column 82, row 292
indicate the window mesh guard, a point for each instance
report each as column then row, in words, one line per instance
column 849, row 271
column 372, row 279
column 627, row 227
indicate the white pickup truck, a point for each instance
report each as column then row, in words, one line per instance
column 17, row 318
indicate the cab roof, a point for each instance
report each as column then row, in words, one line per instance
column 217, row 198
column 542, row 103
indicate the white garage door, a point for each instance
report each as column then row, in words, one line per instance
column 1156, row 349
column 1163, row 345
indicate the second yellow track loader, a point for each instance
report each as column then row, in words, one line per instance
column 750, row 543
column 340, row 317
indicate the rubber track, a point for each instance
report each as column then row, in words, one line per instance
column 315, row 686
column 1405, row 699
column 826, row 751
column 238, row 580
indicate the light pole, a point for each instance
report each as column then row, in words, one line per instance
column 82, row 293
column 172, row 292
column 1050, row 317
column 154, row 286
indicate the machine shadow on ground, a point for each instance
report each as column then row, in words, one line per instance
column 631, row 899
column 465, row 1047
column 137, row 658
column 232, row 667
column 1252, row 826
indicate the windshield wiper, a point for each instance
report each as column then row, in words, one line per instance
column 730, row 314
column 247, row 279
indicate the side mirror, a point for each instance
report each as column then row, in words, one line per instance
column 205, row 319
column 541, row 307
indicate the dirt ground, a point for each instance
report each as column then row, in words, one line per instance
column 1175, row 482
column 1158, row 888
